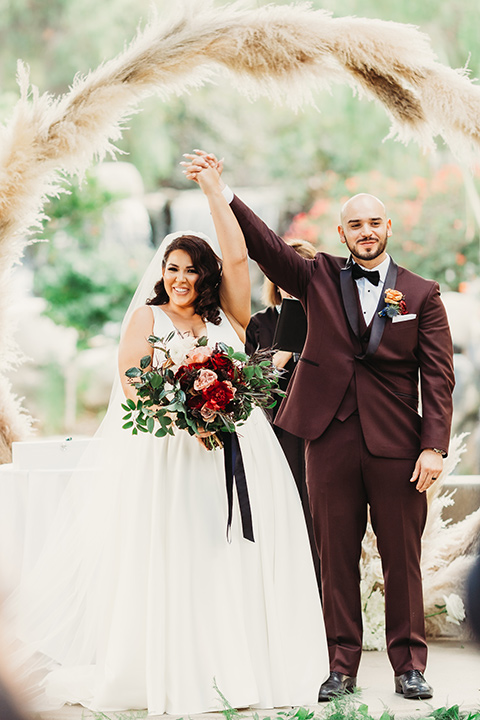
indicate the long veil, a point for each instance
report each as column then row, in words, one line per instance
column 52, row 618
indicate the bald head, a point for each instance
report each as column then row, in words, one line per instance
column 362, row 204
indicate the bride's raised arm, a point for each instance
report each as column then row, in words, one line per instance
column 235, row 287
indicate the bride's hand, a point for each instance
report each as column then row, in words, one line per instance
column 210, row 158
column 205, row 170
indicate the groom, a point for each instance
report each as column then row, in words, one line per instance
column 374, row 330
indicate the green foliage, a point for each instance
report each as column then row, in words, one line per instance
column 78, row 212
column 86, row 290
column 62, row 37
column 128, row 715
column 453, row 713
column 85, row 283
column 345, row 708
column 342, row 708
column 434, row 230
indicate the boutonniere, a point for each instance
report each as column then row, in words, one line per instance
column 394, row 304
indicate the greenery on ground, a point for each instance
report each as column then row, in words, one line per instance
column 344, row 708
column 341, row 709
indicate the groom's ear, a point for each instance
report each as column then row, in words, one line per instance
column 342, row 234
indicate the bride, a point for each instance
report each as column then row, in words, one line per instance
column 139, row 600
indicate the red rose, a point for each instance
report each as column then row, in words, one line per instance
column 182, row 375
column 224, row 365
column 195, row 402
column 218, row 396
column 186, row 374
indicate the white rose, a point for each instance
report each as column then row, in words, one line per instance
column 179, row 346
column 455, row 608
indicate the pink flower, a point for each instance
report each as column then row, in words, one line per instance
column 207, row 413
column 198, row 355
column 204, row 379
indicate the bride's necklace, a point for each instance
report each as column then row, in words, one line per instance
column 188, row 333
column 196, row 332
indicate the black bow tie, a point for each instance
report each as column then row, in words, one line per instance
column 372, row 276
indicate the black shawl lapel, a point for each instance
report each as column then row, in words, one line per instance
column 378, row 323
column 347, row 286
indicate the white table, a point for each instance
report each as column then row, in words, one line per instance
column 30, row 491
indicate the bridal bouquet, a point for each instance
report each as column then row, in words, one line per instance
column 198, row 388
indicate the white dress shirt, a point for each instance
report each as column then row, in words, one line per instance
column 227, row 194
column 370, row 294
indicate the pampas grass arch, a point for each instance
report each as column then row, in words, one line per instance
column 286, row 52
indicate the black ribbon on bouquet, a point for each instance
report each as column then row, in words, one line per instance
column 235, row 471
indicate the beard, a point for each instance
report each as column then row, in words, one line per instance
column 368, row 253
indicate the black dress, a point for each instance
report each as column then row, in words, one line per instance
column 260, row 332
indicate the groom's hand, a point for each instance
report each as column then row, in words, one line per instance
column 199, row 161
column 427, row 469
column 211, row 159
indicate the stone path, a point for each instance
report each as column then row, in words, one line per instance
column 453, row 671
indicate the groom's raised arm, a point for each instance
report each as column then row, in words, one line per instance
column 280, row 262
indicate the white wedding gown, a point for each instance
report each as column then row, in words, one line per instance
column 139, row 600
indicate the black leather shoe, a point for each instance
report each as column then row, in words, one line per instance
column 413, row 685
column 337, row 684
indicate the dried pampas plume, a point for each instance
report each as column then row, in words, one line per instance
column 284, row 52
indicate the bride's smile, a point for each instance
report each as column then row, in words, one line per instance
column 180, row 278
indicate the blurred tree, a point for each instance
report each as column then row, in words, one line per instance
column 83, row 282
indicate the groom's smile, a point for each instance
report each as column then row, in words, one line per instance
column 365, row 229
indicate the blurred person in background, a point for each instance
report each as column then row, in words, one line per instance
column 260, row 334
column 473, row 599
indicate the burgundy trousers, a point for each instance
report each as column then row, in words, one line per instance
column 343, row 478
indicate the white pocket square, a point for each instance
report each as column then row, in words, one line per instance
column 402, row 318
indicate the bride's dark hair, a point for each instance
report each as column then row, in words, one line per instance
column 209, row 268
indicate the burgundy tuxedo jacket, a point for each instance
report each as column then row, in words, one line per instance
column 386, row 371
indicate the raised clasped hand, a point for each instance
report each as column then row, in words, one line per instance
column 204, row 169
